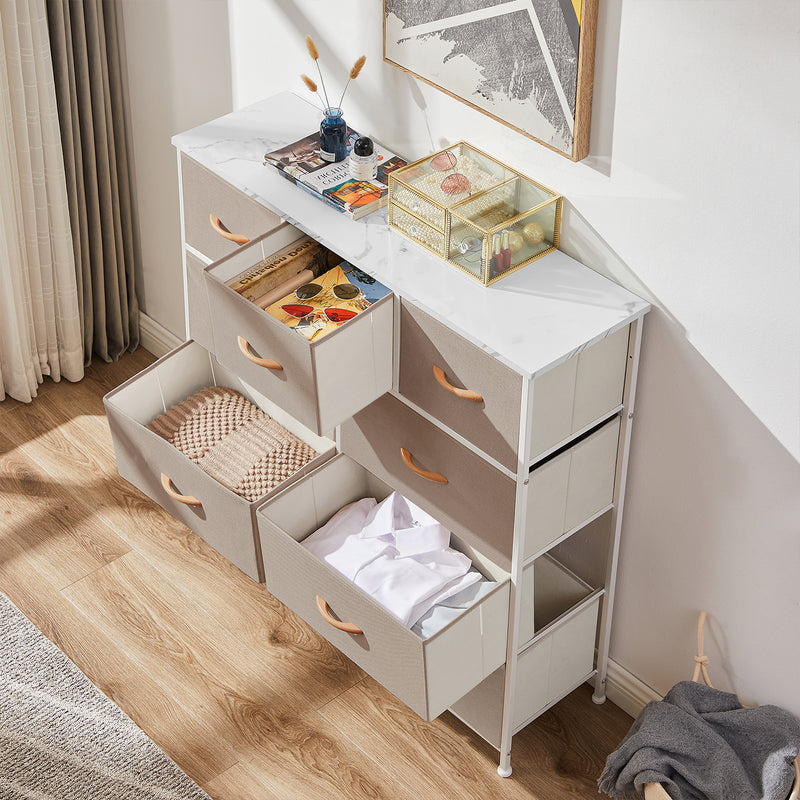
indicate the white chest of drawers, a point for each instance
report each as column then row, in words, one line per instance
column 504, row 411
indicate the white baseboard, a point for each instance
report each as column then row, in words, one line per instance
column 625, row 690
column 155, row 338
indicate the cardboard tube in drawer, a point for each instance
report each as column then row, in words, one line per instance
column 428, row 674
column 224, row 519
column 323, row 381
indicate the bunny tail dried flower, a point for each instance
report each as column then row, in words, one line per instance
column 311, row 86
column 312, row 48
column 314, row 53
column 354, row 72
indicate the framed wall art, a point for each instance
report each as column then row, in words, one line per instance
column 527, row 63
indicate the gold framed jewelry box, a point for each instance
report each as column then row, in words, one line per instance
column 475, row 212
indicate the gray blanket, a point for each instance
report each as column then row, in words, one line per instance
column 701, row 744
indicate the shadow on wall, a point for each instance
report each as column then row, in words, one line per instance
column 712, row 517
column 166, row 58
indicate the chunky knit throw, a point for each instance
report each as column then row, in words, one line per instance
column 234, row 441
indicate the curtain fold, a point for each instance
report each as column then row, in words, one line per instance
column 40, row 330
column 88, row 76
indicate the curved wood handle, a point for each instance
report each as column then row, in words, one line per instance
column 244, row 346
column 186, row 499
column 225, row 233
column 347, row 627
column 429, row 476
column 465, row 394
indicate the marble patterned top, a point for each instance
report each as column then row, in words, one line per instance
column 532, row 320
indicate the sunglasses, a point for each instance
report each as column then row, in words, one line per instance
column 342, row 291
column 301, row 311
column 455, row 182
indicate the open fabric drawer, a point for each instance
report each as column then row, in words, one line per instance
column 428, row 674
column 322, row 381
column 214, row 512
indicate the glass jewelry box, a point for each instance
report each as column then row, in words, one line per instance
column 481, row 216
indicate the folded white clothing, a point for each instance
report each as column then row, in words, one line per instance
column 395, row 552
column 450, row 608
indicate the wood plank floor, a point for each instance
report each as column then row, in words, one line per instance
column 246, row 698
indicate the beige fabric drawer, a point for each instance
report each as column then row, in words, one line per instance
column 224, row 519
column 491, row 424
column 320, row 382
column 558, row 660
column 200, row 328
column 578, row 392
column 476, row 502
column 205, row 193
column 566, row 400
column 570, row 488
column 426, row 674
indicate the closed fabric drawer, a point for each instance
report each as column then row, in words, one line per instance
column 566, row 399
column 428, row 674
column 558, row 660
column 206, row 194
column 319, row 382
column 572, row 396
column 222, row 518
column 429, row 349
column 464, row 492
column 571, row 488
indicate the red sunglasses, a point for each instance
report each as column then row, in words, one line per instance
column 300, row 310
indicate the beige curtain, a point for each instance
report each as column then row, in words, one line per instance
column 40, row 332
column 88, row 74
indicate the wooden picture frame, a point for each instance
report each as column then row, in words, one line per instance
column 526, row 63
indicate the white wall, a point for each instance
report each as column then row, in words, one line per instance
column 691, row 197
column 178, row 76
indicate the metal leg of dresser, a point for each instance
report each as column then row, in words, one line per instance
column 629, row 396
column 517, row 558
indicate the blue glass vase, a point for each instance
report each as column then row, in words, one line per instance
column 333, row 135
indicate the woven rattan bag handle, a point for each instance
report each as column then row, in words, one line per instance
column 655, row 791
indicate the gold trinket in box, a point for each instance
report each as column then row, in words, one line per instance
column 476, row 213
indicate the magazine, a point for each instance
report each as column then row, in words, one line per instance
column 302, row 164
column 336, row 296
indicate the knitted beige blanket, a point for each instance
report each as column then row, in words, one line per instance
column 234, row 441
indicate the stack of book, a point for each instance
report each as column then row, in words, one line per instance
column 302, row 164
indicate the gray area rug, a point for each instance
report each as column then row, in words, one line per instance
column 62, row 739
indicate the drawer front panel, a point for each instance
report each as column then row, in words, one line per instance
column 426, row 674
column 205, row 193
column 223, row 519
column 476, row 502
column 491, row 423
column 291, row 386
column 571, row 487
column 200, row 328
column 556, row 663
column 573, row 395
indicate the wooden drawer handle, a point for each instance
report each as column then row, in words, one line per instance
column 465, row 394
column 429, row 476
column 225, row 233
column 244, row 346
column 347, row 627
column 186, row 499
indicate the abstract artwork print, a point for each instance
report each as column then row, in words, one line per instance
column 527, row 63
